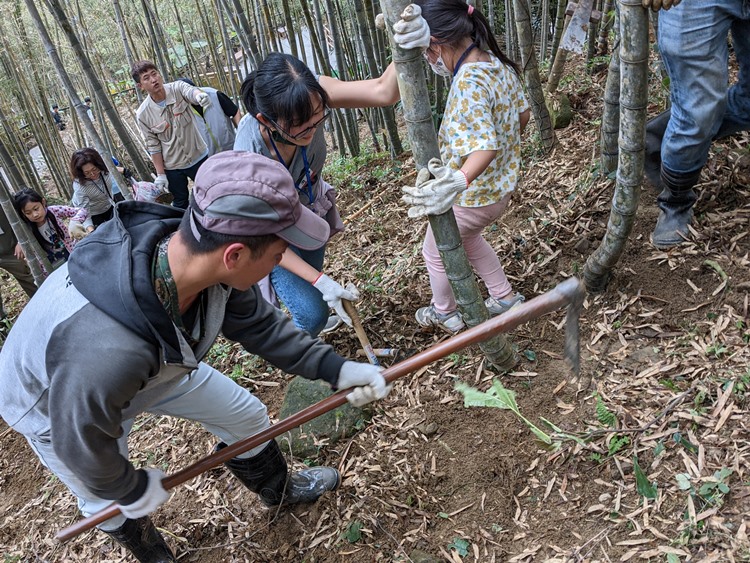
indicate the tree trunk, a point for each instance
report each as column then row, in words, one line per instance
column 289, row 28
column 611, row 114
column 349, row 129
column 559, row 27
column 246, row 35
column 424, row 144
column 634, row 96
column 544, row 39
column 604, row 27
column 125, row 43
column 101, row 97
column 389, row 116
column 531, row 74
column 35, row 256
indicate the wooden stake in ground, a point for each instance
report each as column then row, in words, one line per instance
column 357, row 324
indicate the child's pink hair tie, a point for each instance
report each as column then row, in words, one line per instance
column 471, row 9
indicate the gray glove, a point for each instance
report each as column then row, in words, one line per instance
column 151, row 499
column 433, row 197
column 657, row 5
column 162, row 182
column 367, row 380
column 333, row 293
column 411, row 31
column 203, row 100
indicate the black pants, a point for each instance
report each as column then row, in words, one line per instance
column 102, row 217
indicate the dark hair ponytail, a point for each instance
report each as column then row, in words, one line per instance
column 280, row 89
column 452, row 20
column 27, row 195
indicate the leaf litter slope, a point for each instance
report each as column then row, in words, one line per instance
column 664, row 350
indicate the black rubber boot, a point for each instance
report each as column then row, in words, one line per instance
column 655, row 129
column 266, row 474
column 676, row 202
column 141, row 538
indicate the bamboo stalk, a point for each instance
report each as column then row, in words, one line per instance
column 633, row 103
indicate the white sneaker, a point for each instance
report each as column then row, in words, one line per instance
column 428, row 317
column 499, row 306
column 334, row 322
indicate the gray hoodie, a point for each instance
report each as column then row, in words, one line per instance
column 95, row 347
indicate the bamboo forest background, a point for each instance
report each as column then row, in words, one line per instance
column 216, row 43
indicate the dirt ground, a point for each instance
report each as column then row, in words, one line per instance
column 664, row 380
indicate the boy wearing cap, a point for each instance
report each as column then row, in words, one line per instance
column 162, row 285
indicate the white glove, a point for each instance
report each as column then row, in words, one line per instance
column 657, row 5
column 333, row 293
column 77, row 230
column 411, row 31
column 162, row 182
column 380, row 22
column 151, row 499
column 367, row 380
column 203, row 100
column 433, row 197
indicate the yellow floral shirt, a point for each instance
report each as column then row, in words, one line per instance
column 482, row 113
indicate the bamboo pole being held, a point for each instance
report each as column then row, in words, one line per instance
column 418, row 116
column 570, row 292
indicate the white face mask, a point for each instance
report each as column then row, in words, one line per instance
column 438, row 67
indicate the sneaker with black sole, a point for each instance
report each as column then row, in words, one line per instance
column 497, row 306
column 334, row 322
column 428, row 317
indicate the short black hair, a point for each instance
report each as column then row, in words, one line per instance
column 141, row 67
column 282, row 89
column 211, row 240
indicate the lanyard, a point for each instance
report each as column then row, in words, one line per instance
column 461, row 59
column 309, row 193
column 103, row 190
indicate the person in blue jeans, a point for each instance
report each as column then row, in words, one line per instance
column 693, row 44
column 286, row 108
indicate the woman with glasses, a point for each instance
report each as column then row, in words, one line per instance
column 94, row 189
column 286, row 108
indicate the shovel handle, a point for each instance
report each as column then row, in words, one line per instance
column 564, row 293
column 351, row 310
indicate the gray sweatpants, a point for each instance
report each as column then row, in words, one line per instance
column 225, row 409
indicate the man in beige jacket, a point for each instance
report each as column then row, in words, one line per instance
column 166, row 120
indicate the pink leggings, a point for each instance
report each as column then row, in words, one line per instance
column 471, row 222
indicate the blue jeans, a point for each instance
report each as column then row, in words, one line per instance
column 693, row 44
column 304, row 302
column 178, row 183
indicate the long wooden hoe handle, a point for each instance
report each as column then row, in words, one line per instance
column 351, row 310
column 561, row 295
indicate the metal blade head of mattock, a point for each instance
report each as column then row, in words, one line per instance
column 572, row 331
column 578, row 29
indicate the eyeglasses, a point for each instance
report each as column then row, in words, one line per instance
column 304, row 132
column 91, row 171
